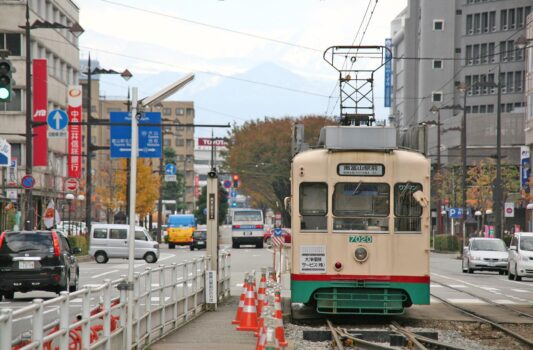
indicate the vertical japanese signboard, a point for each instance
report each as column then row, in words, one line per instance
column 388, row 72
column 525, row 168
column 40, row 104
column 211, row 287
column 74, row 100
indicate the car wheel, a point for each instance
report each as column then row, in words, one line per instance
column 516, row 277
column 259, row 245
column 235, row 245
column 171, row 246
column 100, row 257
column 76, row 283
column 8, row 295
column 463, row 268
column 501, row 272
column 509, row 274
column 191, row 247
column 150, row 258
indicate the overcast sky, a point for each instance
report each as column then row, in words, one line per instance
column 218, row 38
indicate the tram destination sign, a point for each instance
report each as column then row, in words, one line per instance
column 361, row 169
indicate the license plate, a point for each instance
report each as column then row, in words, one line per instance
column 201, row 243
column 26, row 264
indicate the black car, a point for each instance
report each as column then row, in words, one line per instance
column 199, row 239
column 37, row 260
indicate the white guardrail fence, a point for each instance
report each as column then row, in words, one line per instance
column 166, row 298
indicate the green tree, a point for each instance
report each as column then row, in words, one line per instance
column 202, row 205
column 260, row 152
column 173, row 190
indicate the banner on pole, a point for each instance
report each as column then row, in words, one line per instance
column 74, row 104
column 40, row 106
column 388, row 72
column 525, row 168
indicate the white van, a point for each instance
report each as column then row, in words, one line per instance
column 247, row 227
column 521, row 256
column 111, row 241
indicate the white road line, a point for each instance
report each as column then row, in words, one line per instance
column 459, row 286
column 105, row 273
column 435, row 286
column 504, row 302
column 521, row 291
column 433, row 300
column 239, row 284
column 166, row 258
column 466, row 301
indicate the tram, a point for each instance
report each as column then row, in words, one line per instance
column 360, row 223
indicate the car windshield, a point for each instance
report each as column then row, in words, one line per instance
column 526, row 243
column 17, row 242
column 200, row 235
column 248, row 215
column 495, row 245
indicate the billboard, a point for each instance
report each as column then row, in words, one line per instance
column 74, row 103
column 525, row 168
column 207, row 141
column 40, row 105
column 388, row 72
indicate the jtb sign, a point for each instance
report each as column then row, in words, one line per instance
column 149, row 136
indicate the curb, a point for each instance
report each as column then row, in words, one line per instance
column 84, row 258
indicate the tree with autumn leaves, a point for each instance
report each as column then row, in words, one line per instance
column 147, row 186
column 259, row 152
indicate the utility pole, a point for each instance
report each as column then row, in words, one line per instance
column 28, row 217
column 498, row 190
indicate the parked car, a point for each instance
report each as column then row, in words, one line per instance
column 199, row 238
column 111, row 241
column 37, row 260
column 267, row 236
column 521, row 256
column 485, row 254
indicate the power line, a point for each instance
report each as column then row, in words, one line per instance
column 182, row 19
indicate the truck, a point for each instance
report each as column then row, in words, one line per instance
column 180, row 229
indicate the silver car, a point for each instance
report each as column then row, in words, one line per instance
column 485, row 254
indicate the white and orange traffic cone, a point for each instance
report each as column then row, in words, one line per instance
column 261, row 292
column 278, row 315
column 237, row 319
column 248, row 321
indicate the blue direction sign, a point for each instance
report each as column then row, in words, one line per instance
column 57, row 119
column 233, row 193
column 149, row 136
column 170, row 169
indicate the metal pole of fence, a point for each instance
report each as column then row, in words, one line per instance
column 37, row 331
column 64, row 321
column 6, row 327
column 85, row 316
column 162, row 316
column 107, row 314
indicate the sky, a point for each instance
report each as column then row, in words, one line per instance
column 274, row 48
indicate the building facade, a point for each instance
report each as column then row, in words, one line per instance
column 60, row 49
column 441, row 47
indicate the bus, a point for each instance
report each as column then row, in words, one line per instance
column 247, row 227
column 180, row 229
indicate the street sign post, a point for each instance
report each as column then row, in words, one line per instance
column 5, row 153
column 57, row 124
column 227, row 184
column 170, row 173
column 149, row 136
column 456, row 213
column 71, row 185
column 28, row 181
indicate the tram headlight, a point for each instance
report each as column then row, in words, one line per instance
column 360, row 254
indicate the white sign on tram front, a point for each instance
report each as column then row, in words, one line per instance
column 361, row 169
column 312, row 259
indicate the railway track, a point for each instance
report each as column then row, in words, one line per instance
column 486, row 319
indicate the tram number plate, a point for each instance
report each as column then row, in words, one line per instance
column 360, row 239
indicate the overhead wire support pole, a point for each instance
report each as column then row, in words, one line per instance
column 28, row 217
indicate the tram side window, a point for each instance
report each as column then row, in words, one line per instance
column 407, row 210
column 361, row 206
column 313, row 206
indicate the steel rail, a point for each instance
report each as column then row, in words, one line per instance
column 521, row 313
column 487, row 320
column 335, row 335
column 432, row 343
column 361, row 343
column 417, row 345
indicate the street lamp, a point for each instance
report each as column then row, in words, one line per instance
column 478, row 215
column 463, row 88
column 497, row 193
column 90, row 146
column 75, row 29
column 69, row 197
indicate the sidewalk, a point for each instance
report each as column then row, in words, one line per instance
column 211, row 331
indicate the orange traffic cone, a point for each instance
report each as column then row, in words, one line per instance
column 248, row 321
column 278, row 314
column 261, row 339
column 261, row 293
column 237, row 319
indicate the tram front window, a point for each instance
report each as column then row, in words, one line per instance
column 406, row 208
column 313, row 206
column 361, row 206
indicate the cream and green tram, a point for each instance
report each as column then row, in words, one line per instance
column 360, row 224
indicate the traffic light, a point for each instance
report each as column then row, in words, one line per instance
column 6, row 80
column 235, row 181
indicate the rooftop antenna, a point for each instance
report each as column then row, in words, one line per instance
column 356, row 80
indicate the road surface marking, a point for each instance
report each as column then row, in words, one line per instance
column 435, row 286
column 167, row 257
column 105, row 273
column 466, row 301
column 458, row 286
column 490, row 289
column 521, row 291
column 504, row 302
column 239, row 284
column 433, row 300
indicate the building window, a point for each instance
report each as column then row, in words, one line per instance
column 167, row 111
column 436, row 96
column 180, row 111
column 492, row 21
column 166, row 142
column 180, row 142
column 490, row 108
column 469, row 25
column 503, row 20
column 438, row 25
column 11, row 42
column 15, row 105
column 437, row 64
column 190, row 112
